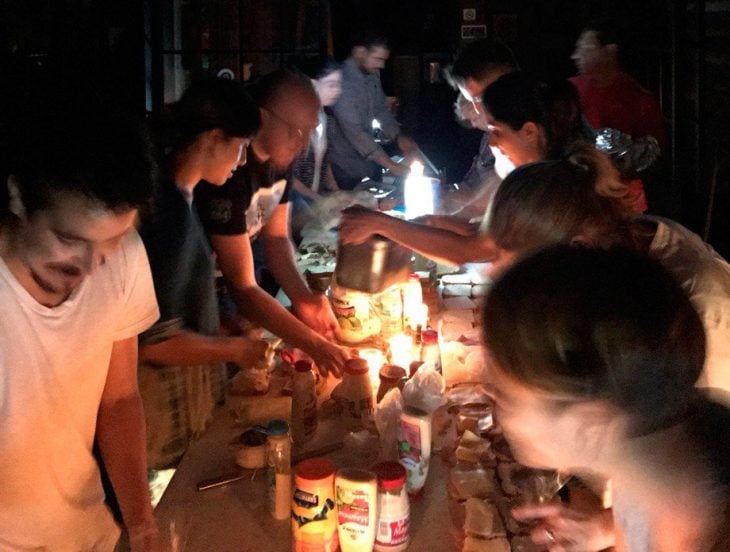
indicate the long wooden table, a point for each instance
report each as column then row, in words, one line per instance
column 235, row 517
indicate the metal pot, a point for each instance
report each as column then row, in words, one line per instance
column 373, row 265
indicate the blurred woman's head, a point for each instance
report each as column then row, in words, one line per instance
column 588, row 348
column 577, row 199
column 530, row 121
column 326, row 75
column 218, row 118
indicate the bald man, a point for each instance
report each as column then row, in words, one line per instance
column 255, row 203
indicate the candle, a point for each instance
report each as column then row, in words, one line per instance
column 419, row 317
column 401, row 350
column 375, row 360
column 417, row 193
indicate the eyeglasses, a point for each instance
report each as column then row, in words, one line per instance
column 293, row 132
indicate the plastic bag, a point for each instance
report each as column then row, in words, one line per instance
column 387, row 421
column 425, row 390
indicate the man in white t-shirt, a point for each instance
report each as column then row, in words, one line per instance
column 75, row 290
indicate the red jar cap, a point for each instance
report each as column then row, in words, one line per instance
column 315, row 468
column 356, row 366
column 430, row 336
column 303, row 365
column 391, row 475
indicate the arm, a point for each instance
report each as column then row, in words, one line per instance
column 312, row 308
column 120, row 432
column 359, row 223
column 329, row 180
column 304, row 190
column 235, row 260
column 348, row 119
column 561, row 527
column 450, row 223
column 188, row 348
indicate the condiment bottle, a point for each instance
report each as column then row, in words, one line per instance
column 430, row 350
column 355, row 393
column 393, row 508
column 356, row 494
column 313, row 510
column 391, row 376
column 304, row 403
column 278, row 461
column 414, row 448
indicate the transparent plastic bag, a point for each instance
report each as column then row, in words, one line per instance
column 425, row 390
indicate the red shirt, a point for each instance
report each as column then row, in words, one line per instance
column 624, row 104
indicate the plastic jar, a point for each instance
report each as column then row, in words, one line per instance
column 356, row 495
column 313, row 511
column 278, row 461
column 414, row 448
column 355, row 393
column 430, row 350
column 304, row 403
column 393, row 508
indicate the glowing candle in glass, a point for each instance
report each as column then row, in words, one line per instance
column 417, row 193
column 401, row 350
column 419, row 317
column 375, row 359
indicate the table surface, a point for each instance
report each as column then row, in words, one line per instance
column 235, row 517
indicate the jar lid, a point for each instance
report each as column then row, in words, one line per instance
column 252, row 438
column 392, row 372
column 303, row 365
column 430, row 336
column 277, row 427
column 356, row 366
column 315, row 468
column 391, row 475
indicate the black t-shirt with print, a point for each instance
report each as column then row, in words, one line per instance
column 245, row 203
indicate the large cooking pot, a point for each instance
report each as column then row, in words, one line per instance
column 373, row 265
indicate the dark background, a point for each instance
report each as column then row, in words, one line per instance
column 677, row 49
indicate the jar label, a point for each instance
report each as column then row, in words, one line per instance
column 392, row 531
column 353, row 512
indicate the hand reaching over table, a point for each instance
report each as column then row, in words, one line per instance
column 564, row 529
column 358, row 224
column 315, row 311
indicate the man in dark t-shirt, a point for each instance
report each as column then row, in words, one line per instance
column 254, row 204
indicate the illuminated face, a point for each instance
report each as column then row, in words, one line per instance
column 372, row 60
column 57, row 247
column 225, row 156
column 540, row 435
column 329, row 88
column 519, row 146
column 589, row 52
column 286, row 129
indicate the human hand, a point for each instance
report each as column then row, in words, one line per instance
column 315, row 311
column 252, row 352
column 564, row 529
column 358, row 223
column 329, row 357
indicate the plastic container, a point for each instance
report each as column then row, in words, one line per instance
column 313, row 508
column 430, row 350
column 278, row 461
column 355, row 394
column 356, row 495
column 304, row 403
column 356, row 317
column 251, row 454
column 414, row 448
column 393, row 508
column 390, row 310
